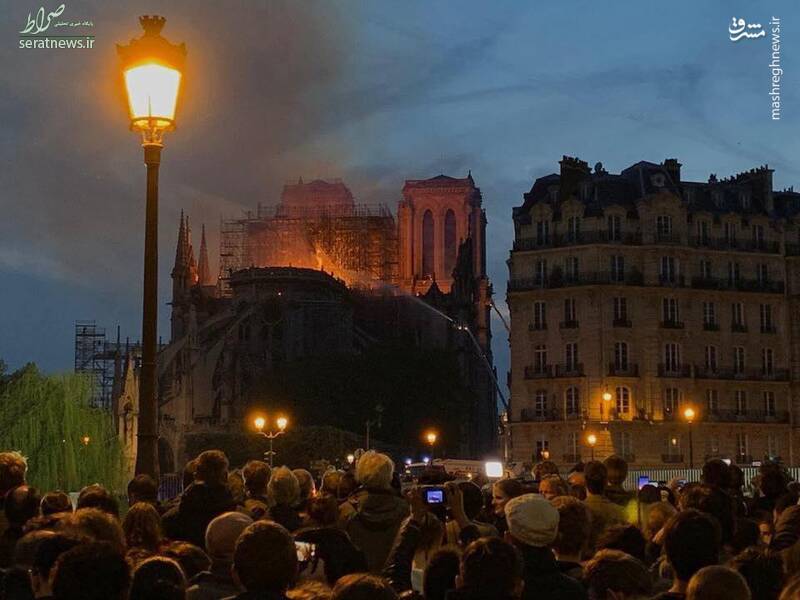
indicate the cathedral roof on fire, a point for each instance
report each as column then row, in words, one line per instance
column 748, row 192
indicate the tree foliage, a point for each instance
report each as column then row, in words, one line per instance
column 45, row 417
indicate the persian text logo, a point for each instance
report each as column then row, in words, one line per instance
column 36, row 32
column 740, row 29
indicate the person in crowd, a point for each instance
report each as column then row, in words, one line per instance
column 716, row 473
column 308, row 488
column 256, row 474
column 532, row 528
column 91, row 571
column 745, row 534
column 310, row 590
column 158, row 578
column 96, row 496
column 13, row 470
column 615, row 575
column 284, row 492
column 791, row 591
column 21, row 504
column 787, row 529
column 191, row 558
column 55, row 502
column 603, row 511
column 94, row 524
column 717, row 583
column 236, row 487
column 380, row 510
column 574, row 527
column 617, row 472
column 772, row 484
column 338, row 553
column 552, row 486
column 626, row 538
column 221, row 535
column 265, row 562
column 142, row 528
column 691, row 542
column 27, row 545
column 207, row 497
column 766, row 527
column 503, row 491
column 715, row 502
column 363, row 586
column 491, row 569
column 143, row 488
column 464, row 501
column 762, row 570
column 440, row 574
column 47, row 553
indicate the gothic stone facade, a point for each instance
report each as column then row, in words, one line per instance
column 634, row 296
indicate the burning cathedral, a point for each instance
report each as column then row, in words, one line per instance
column 334, row 312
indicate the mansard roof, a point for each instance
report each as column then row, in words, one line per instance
column 440, row 181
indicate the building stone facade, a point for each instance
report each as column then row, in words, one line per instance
column 635, row 296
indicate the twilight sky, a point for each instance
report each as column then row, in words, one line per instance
column 373, row 92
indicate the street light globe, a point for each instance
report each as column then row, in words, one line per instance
column 607, row 396
column 259, row 422
column 85, row 440
column 591, row 439
column 282, row 423
column 152, row 73
column 688, row 414
column 431, row 437
column 350, row 459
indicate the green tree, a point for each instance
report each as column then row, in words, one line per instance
column 68, row 443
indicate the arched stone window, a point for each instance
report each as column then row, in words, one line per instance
column 428, row 269
column 450, row 249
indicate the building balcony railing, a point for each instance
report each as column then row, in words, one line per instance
column 569, row 370
column 769, row 329
column 671, row 280
column 538, row 372
column 738, row 285
column 674, row 370
column 551, row 414
column 623, row 370
column 576, row 239
column 671, row 324
column 672, row 458
column 568, row 325
column 703, row 372
column 738, row 328
column 558, row 280
column 746, row 416
column 621, row 323
column 711, row 326
column 716, row 243
column 537, row 327
column 671, row 238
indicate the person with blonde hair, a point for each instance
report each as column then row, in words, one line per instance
column 283, row 491
column 380, row 510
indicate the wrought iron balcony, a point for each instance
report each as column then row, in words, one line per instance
column 537, row 327
column 621, row 323
column 701, row 372
column 568, row 325
column 575, row 239
column 721, row 243
column 739, row 285
column 559, row 280
column 623, row 370
column 711, row 326
column 569, row 370
column 671, row 324
column 746, row 416
column 532, row 414
column 674, row 370
column 535, row 372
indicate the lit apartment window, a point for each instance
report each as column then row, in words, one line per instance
column 623, row 400
column 672, row 400
column 673, row 444
column 542, row 445
column 539, row 315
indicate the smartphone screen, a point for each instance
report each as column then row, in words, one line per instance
column 643, row 480
column 434, row 496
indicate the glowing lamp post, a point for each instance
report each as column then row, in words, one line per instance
column 351, row 458
column 591, row 439
column 431, row 438
column 689, row 415
column 260, row 423
column 152, row 70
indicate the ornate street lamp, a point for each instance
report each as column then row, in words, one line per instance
column 591, row 439
column 689, row 415
column 260, row 423
column 152, row 70
column 431, row 438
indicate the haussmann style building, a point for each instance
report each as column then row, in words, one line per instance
column 636, row 296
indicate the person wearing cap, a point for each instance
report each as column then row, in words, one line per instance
column 221, row 535
column 532, row 528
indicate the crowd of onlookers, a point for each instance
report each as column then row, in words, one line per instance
column 271, row 534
